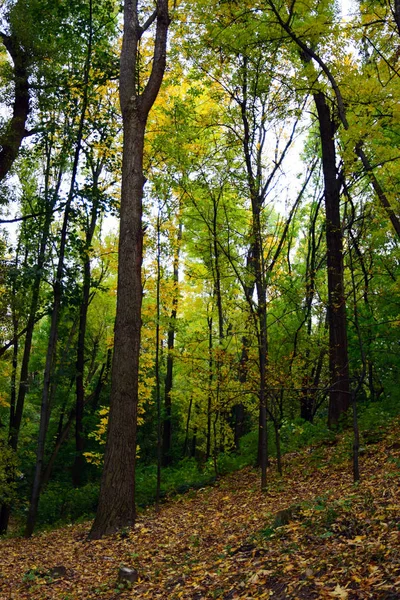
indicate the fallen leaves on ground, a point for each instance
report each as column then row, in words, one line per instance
column 340, row 540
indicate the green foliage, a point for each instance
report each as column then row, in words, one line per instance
column 297, row 433
column 61, row 503
column 175, row 480
column 8, row 472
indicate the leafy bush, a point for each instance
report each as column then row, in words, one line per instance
column 64, row 503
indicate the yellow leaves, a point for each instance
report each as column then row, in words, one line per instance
column 339, row 592
column 208, row 544
column 94, row 458
column 288, row 568
column 359, row 539
column 259, row 576
column 3, row 401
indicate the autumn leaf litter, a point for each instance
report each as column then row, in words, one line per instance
column 313, row 534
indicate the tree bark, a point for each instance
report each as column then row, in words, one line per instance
column 15, row 132
column 116, row 503
column 339, row 393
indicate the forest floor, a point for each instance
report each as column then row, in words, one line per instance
column 313, row 534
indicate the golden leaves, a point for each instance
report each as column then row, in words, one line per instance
column 213, row 542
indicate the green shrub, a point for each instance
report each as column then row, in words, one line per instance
column 64, row 503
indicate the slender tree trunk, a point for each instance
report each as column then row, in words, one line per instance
column 194, row 443
column 215, row 449
column 278, row 446
column 186, row 442
column 77, row 467
column 65, row 428
column 23, row 380
column 339, row 395
column 218, row 295
column 18, row 400
column 47, row 385
column 103, row 379
column 157, row 363
column 256, row 264
column 167, row 430
column 5, row 509
column 61, row 437
column 14, row 370
column 79, row 462
column 262, row 340
column 394, row 219
column 210, row 382
column 117, row 493
column 57, row 297
column 356, row 431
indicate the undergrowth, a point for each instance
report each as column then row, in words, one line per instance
column 60, row 503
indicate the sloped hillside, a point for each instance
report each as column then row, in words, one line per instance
column 313, row 534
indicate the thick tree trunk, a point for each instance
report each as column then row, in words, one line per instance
column 339, row 394
column 117, row 493
column 116, row 505
column 15, row 131
column 239, row 424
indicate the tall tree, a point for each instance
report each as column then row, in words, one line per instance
column 338, row 352
column 116, row 503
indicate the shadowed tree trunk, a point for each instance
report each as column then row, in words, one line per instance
column 15, row 131
column 116, row 503
column 339, row 394
column 210, row 383
column 79, row 462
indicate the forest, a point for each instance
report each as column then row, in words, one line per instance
column 199, row 273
